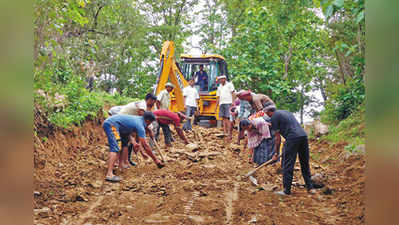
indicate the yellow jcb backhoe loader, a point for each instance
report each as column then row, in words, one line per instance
column 178, row 75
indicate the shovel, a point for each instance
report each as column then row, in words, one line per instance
column 250, row 173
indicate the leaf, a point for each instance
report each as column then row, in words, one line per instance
column 329, row 11
column 339, row 3
column 360, row 17
column 348, row 52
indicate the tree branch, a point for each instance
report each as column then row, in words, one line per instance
column 96, row 16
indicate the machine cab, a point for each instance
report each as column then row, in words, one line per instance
column 205, row 77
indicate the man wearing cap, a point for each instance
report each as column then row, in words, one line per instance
column 166, row 117
column 225, row 93
column 285, row 123
column 119, row 128
column 163, row 98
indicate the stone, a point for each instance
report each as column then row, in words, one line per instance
column 320, row 128
column 220, row 135
column 269, row 187
column 316, row 127
column 97, row 184
column 208, row 154
column 361, row 149
column 43, row 212
column 326, row 190
column 192, row 147
column 318, row 180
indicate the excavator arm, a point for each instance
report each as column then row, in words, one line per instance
column 170, row 71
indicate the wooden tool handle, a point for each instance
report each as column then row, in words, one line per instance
column 264, row 164
column 158, row 149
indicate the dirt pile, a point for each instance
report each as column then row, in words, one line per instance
column 201, row 185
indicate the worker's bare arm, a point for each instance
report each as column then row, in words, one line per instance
column 277, row 144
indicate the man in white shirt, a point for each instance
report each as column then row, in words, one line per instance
column 225, row 93
column 191, row 97
column 138, row 108
column 163, row 98
column 115, row 110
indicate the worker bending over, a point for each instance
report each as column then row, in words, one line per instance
column 119, row 128
column 166, row 117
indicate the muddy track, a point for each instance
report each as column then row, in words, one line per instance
column 202, row 187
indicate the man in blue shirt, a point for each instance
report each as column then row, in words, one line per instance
column 202, row 78
column 296, row 143
column 119, row 128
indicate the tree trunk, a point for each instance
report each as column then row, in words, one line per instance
column 287, row 62
column 322, row 90
column 341, row 70
column 302, row 105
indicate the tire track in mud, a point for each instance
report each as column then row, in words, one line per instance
column 89, row 211
column 189, row 205
column 230, row 197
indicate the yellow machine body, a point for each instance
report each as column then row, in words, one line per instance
column 179, row 75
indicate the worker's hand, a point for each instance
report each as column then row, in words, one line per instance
column 275, row 157
column 136, row 146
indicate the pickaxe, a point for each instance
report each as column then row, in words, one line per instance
column 159, row 149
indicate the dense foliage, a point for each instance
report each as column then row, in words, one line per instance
column 291, row 49
column 287, row 49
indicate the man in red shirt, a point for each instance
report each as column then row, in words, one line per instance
column 164, row 118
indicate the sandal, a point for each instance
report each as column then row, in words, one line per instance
column 113, row 179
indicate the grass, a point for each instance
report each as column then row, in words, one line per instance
column 350, row 130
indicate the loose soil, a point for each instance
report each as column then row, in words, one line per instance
column 201, row 187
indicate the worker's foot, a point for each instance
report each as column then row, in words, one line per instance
column 124, row 166
column 132, row 163
column 282, row 193
column 113, row 178
column 160, row 165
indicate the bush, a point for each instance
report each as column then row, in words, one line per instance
column 350, row 130
column 344, row 101
column 64, row 97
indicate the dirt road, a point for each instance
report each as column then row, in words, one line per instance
column 201, row 187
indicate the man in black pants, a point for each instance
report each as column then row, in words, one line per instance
column 284, row 123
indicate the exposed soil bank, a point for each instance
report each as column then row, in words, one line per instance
column 203, row 187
